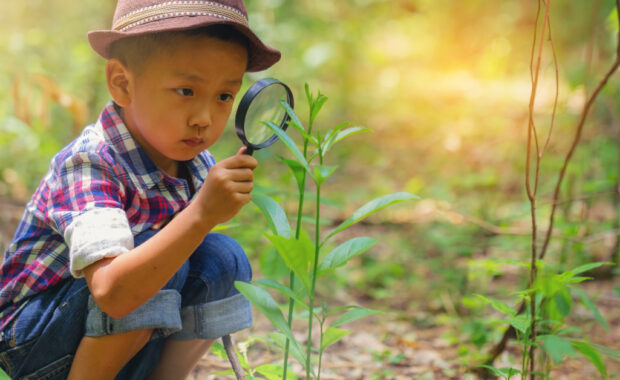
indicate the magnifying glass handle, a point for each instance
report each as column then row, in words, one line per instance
column 249, row 150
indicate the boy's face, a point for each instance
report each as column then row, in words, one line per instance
column 180, row 101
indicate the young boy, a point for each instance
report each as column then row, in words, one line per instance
column 112, row 271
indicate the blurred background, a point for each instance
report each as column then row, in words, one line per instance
column 444, row 86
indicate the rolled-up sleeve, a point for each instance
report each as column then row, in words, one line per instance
column 86, row 208
column 96, row 234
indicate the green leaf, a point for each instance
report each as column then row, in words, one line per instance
column 330, row 140
column 290, row 144
column 593, row 356
column 505, row 373
column 296, row 123
column 294, row 119
column 370, row 208
column 296, row 254
column 346, row 251
column 588, row 267
column 614, row 354
column 577, row 279
column 283, row 289
column 557, row 347
column 323, row 172
column 315, row 103
column 267, row 305
column 563, row 301
column 295, row 348
column 3, row 375
column 569, row 330
column 499, row 305
column 332, row 335
column 276, row 217
column 316, row 106
column 218, row 350
column 298, row 172
column 547, row 284
column 274, row 372
column 352, row 315
column 588, row 303
column 521, row 322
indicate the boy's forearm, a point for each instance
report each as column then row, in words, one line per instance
column 123, row 283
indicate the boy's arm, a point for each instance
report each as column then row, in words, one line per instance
column 121, row 284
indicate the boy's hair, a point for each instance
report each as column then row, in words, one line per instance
column 135, row 51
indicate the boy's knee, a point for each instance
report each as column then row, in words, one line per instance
column 217, row 263
column 235, row 257
column 228, row 255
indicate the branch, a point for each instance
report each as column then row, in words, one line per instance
column 577, row 138
column 232, row 357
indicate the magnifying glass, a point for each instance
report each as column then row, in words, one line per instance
column 259, row 104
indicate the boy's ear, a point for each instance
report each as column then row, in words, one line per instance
column 118, row 78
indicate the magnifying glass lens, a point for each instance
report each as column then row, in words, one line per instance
column 264, row 107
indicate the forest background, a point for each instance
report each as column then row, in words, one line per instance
column 444, row 86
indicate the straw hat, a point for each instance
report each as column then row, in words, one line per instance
column 136, row 17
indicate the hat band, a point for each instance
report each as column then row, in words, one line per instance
column 178, row 9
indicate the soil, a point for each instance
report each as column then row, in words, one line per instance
column 397, row 346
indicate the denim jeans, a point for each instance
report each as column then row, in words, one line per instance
column 199, row 302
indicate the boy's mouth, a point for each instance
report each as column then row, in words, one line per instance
column 194, row 141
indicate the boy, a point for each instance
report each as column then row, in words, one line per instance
column 100, row 281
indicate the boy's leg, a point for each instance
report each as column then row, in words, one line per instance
column 103, row 357
column 123, row 347
column 212, row 306
column 41, row 340
column 179, row 357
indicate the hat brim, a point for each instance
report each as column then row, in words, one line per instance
column 260, row 56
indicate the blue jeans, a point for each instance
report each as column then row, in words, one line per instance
column 199, row 302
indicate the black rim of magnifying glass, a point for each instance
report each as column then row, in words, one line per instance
column 244, row 106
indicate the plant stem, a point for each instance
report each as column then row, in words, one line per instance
column 320, row 350
column 531, row 193
column 314, row 276
column 291, row 302
column 300, row 208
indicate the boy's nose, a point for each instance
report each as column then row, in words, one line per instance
column 201, row 117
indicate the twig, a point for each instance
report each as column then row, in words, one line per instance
column 232, row 357
column 531, row 194
column 577, row 138
column 557, row 88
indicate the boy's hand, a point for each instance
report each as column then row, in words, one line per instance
column 227, row 188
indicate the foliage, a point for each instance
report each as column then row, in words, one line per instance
column 301, row 254
column 554, row 303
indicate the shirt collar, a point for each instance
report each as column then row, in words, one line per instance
column 119, row 138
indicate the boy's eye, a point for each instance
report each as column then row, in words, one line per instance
column 185, row 91
column 225, row 97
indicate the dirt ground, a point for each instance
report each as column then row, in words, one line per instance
column 392, row 347
column 395, row 345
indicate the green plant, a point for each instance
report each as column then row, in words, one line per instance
column 303, row 253
column 554, row 295
column 267, row 371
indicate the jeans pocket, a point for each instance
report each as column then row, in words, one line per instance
column 11, row 359
column 56, row 370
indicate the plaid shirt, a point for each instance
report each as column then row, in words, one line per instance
column 101, row 190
